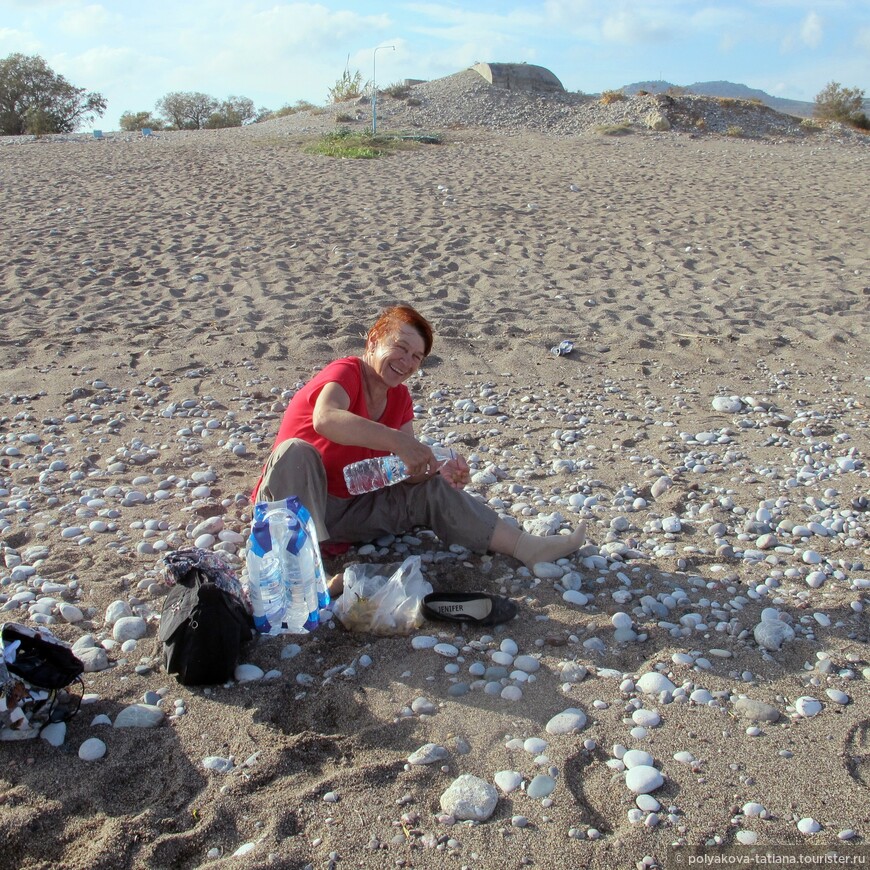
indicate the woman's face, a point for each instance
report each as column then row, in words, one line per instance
column 397, row 355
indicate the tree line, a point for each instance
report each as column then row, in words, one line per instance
column 34, row 99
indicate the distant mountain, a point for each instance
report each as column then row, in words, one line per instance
column 728, row 89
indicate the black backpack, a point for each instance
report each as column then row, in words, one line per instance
column 206, row 618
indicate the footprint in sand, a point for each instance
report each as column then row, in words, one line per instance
column 857, row 752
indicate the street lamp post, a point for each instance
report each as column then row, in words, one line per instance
column 375, row 87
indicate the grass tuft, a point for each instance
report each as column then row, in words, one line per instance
column 608, row 97
column 614, row 129
column 362, row 145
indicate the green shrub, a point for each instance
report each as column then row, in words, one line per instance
column 287, row 109
column 735, row 131
column 398, row 91
column 133, row 122
column 348, row 87
column 836, row 103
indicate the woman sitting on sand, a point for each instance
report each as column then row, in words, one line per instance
column 359, row 407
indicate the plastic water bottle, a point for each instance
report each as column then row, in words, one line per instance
column 266, row 581
column 276, row 586
column 368, row 475
column 302, row 567
column 294, row 590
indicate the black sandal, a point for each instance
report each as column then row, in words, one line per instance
column 479, row 608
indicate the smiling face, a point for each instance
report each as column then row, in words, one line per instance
column 396, row 356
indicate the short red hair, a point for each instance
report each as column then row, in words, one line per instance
column 392, row 319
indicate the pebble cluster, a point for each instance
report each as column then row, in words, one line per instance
column 676, row 553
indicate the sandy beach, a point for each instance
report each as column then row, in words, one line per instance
column 164, row 297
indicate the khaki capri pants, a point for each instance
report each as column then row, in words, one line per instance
column 295, row 468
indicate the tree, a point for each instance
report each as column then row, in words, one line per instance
column 132, row 122
column 232, row 112
column 35, row 99
column 186, row 110
column 836, row 103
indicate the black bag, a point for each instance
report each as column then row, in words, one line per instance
column 39, row 658
column 34, row 667
column 205, row 619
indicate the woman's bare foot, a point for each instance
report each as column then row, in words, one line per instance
column 335, row 585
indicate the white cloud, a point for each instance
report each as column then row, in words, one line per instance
column 84, row 20
column 862, row 39
column 17, row 41
column 632, row 28
column 811, row 30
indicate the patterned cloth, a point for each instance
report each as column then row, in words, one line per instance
column 177, row 564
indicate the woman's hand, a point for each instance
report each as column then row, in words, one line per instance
column 418, row 458
column 456, row 472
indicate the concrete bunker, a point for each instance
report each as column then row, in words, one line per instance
column 519, row 77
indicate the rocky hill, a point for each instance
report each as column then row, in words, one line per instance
column 465, row 100
column 732, row 90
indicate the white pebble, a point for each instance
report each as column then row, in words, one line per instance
column 92, row 749
column 808, row 826
column 807, row 707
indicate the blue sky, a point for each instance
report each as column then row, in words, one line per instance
column 135, row 51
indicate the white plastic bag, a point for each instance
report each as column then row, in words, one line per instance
column 382, row 599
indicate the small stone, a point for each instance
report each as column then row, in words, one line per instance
column 756, row 711
column 547, row 571
column 54, row 733
column 654, row 683
column 469, row 798
column 647, row 803
column 572, row 596
column 246, row 673
column 139, row 716
column 661, row 486
column 808, row 826
column 218, row 763
column 535, row 745
column 92, row 749
column 94, row 659
column 423, row 707
column 508, row 780
column 771, row 634
column 541, row 786
column 646, row 718
column 116, row 610
column 429, row 753
column 423, row 641
column 807, row 707
column 727, row 404
column 569, row 721
column 643, row 779
column 70, row 613
column 529, row 664
column 129, row 628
